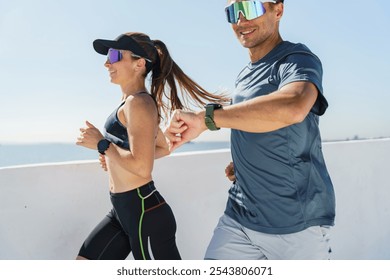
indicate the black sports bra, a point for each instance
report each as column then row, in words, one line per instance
column 115, row 131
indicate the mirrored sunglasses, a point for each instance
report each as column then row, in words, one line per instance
column 249, row 9
column 114, row 55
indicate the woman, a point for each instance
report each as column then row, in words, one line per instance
column 140, row 221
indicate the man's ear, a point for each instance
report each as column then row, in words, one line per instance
column 279, row 10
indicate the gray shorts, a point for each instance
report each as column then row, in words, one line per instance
column 232, row 241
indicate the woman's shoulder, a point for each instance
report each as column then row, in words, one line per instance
column 139, row 99
column 140, row 102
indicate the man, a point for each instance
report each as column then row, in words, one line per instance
column 281, row 204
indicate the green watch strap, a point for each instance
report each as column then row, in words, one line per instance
column 209, row 116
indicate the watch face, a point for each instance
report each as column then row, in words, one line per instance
column 103, row 145
column 214, row 105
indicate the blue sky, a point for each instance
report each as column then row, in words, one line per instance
column 52, row 80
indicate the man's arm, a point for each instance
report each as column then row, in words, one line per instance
column 287, row 106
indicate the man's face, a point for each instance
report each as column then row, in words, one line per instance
column 252, row 33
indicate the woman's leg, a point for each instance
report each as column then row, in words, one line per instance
column 158, row 233
column 148, row 221
column 107, row 241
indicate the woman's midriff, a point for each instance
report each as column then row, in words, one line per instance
column 121, row 180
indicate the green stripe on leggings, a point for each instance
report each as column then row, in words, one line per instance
column 140, row 224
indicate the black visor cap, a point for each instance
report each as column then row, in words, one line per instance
column 123, row 42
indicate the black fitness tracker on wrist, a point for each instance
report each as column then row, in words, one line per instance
column 103, row 145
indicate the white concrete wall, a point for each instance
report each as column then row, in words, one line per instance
column 360, row 172
column 46, row 211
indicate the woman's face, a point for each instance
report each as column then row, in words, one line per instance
column 123, row 70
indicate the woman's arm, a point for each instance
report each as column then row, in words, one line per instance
column 162, row 149
column 162, row 146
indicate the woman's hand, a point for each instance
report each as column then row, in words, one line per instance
column 103, row 163
column 89, row 136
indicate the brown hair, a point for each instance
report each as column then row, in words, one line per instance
column 165, row 72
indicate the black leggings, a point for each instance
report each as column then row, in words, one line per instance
column 140, row 222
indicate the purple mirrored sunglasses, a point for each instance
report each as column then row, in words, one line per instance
column 115, row 55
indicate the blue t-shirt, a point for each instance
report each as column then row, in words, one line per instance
column 282, row 183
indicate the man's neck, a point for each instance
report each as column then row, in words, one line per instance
column 258, row 52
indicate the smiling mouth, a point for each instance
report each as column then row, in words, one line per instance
column 248, row 32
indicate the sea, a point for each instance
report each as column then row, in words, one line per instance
column 25, row 154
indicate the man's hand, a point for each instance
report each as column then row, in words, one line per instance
column 184, row 126
column 229, row 172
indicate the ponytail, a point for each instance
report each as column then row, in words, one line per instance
column 167, row 75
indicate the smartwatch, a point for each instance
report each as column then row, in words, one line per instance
column 209, row 116
column 103, row 145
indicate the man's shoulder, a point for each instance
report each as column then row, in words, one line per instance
column 289, row 47
column 292, row 52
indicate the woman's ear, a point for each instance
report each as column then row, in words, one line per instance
column 141, row 64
